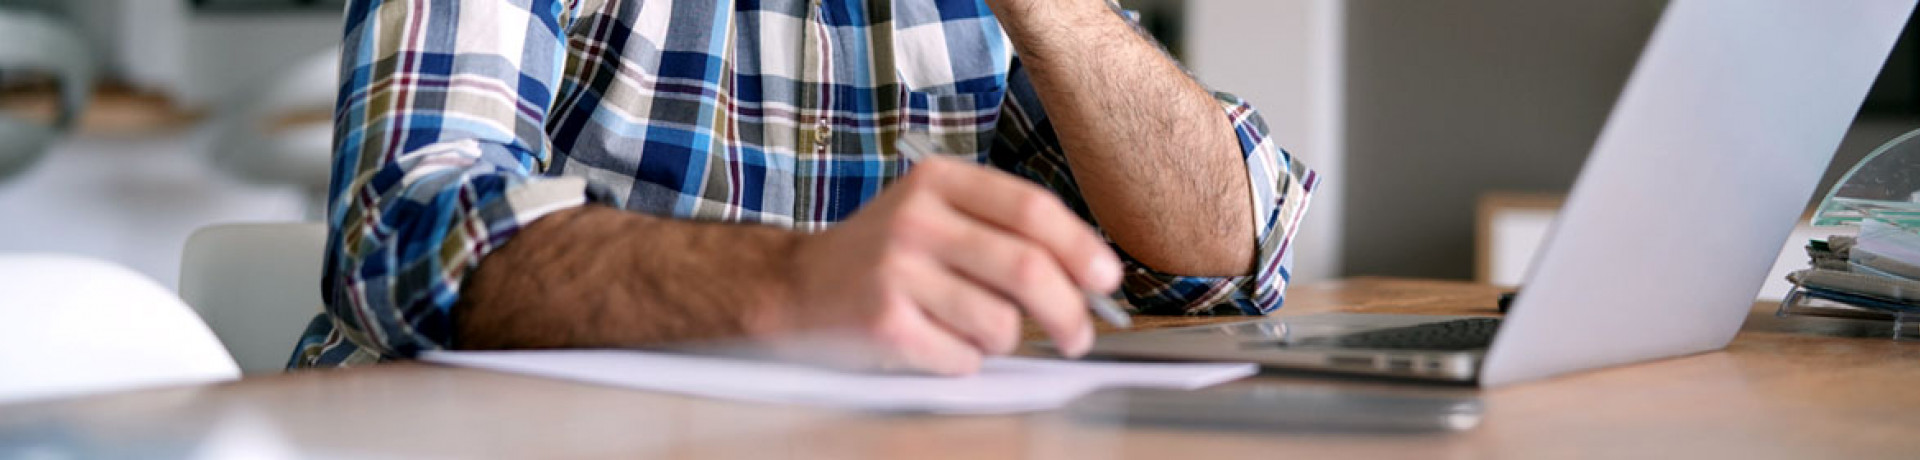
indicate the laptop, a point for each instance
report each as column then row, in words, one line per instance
column 1708, row 158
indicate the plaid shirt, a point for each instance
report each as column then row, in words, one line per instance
column 459, row 122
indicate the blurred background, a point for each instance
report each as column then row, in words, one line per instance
column 1424, row 115
column 196, row 116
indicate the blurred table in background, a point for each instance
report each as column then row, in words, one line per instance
column 116, row 110
column 1799, row 388
column 1509, row 227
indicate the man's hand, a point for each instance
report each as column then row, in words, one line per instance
column 930, row 276
column 936, row 272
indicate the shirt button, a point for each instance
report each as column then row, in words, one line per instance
column 822, row 134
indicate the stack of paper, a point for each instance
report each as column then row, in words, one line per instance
column 1003, row 385
column 1877, row 270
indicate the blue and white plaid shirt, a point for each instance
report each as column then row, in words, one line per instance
column 459, row 122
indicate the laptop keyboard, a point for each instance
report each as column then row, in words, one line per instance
column 1459, row 334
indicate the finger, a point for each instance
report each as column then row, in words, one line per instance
column 984, row 318
column 1014, row 268
column 910, row 341
column 1025, row 209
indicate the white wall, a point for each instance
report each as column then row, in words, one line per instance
column 1448, row 99
column 1286, row 56
column 1451, row 98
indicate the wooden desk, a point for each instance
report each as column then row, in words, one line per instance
column 1804, row 388
column 115, row 110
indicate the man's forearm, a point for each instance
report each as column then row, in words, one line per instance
column 1150, row 148
column 580, row 278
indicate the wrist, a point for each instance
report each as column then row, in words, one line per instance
column 776, row 286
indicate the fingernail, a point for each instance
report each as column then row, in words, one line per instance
column 1105, row 271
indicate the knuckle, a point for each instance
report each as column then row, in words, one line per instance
column 891, row 329
column 891, row 275
column 924, row 172
column 1031, row 269
column 908, row 193
column 920, row 180
column 910, row 222
column 1035, row 207
column 1003, row 330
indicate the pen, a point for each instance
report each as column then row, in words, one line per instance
column 918, row 147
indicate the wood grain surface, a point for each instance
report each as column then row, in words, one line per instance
column 1785, row 388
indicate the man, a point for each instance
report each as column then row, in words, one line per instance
column 605, row 173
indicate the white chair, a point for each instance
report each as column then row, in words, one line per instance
column 257, row 285
column 71, row 325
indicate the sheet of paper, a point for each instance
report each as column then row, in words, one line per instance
column 1003, row 385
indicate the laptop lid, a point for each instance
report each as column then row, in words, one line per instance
column 1708, row 158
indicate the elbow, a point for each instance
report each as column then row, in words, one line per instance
column 1220, row 253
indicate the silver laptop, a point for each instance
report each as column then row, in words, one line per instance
column 1723, row 130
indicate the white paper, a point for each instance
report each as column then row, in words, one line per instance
column 1003, row 385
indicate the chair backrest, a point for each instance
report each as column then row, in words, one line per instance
column 71, row 325
column 257, row 285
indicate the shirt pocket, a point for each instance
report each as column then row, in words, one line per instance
column 951, row 61
column 948, row 47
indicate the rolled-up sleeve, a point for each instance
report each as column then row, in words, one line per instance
column 439, row 142
column 1025, row 144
